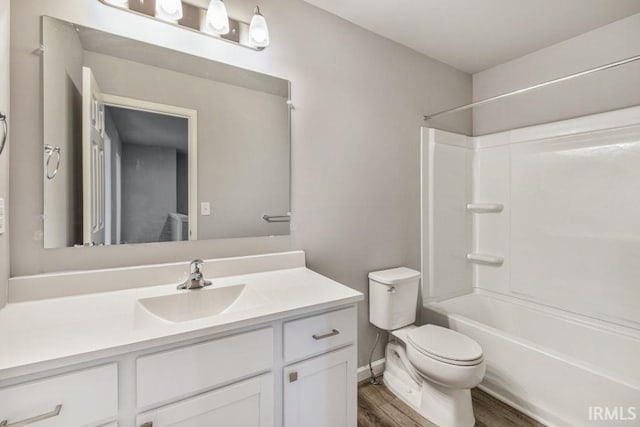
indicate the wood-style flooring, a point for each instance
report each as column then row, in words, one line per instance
column 378, row 407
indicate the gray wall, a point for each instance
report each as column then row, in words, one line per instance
column 4, row 158
column 604, row 91
column 359, row 102
column 148, row 191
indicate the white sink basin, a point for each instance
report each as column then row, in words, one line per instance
column 200, row 303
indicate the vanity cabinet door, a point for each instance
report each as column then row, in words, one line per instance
column 322, row 392
column 248, row 403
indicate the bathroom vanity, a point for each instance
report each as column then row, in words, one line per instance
column 281, row 352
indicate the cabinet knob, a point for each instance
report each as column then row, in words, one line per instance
column 293, row 377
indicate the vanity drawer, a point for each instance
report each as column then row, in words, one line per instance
column 319, row 334
column 87, row 397
column 173, row 374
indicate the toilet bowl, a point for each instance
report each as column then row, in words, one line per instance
column 445, row 357
column 429, row 367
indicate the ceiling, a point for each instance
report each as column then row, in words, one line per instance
column 146, row 128
column 473, row 35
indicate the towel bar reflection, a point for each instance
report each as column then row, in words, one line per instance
column 277, row 218
column 50, row 150
column 5, row 131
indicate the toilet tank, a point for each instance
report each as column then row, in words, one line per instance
column 393, row 296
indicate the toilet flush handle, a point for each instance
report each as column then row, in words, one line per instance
column 392, row 289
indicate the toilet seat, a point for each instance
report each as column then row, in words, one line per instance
column 445, row 345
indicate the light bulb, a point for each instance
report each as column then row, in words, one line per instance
column 169, row 10
column 258, row 30
column 119, row 3
column 217, row 18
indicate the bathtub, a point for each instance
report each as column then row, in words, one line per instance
column 558, row 368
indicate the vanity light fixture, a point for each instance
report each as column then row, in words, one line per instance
column 169, row 10
column 217, row 18
column 212, row 21
column 258, row 30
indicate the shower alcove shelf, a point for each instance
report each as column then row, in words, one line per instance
column 485, row 259
column 480, row 208
column 479, row 258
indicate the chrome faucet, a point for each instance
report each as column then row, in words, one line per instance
column 196, row 277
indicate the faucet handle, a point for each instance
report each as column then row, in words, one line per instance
column 195, row 279
column 196, row 266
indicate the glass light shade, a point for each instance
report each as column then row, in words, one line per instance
column 169, row 10
column 119, row 3
column 258, row 30
column 217, row 18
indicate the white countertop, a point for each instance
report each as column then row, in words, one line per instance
column 52, row 333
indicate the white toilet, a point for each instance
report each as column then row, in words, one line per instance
column 430, row 368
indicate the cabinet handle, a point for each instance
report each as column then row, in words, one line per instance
column 5, row 131
column 35, row 419
column 293, row 377
column 319, row 337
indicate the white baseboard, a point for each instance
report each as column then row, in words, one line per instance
column 516, row 406
column 378, row 368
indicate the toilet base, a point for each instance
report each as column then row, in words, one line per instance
column 442, row 406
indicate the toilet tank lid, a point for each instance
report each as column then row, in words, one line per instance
column 394, row 276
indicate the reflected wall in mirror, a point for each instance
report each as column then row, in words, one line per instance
column 145, row 144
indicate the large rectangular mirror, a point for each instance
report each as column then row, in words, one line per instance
column 145, row 144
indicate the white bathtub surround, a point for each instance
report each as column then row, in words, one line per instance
column 546, row 284
column 52, row 333
column 445, row 271
column 546, row 364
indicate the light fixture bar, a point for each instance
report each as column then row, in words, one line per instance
column 193, row 19
column 534, row 87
